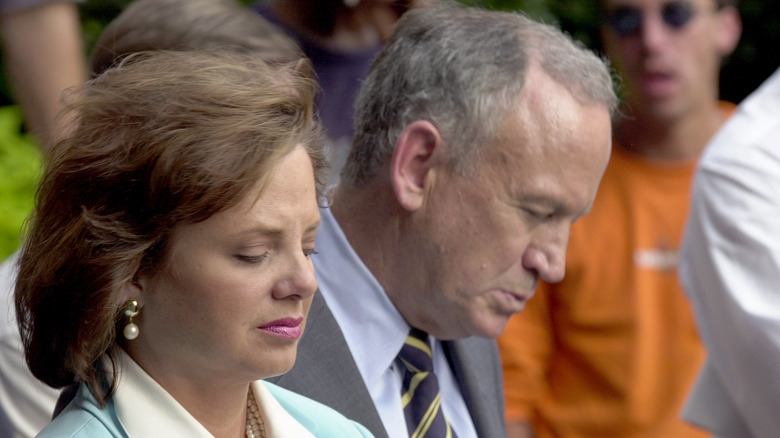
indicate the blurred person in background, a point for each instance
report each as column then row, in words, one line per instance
column 186, row 25
column 613, row 349
column 341, row 37
column 44, row 55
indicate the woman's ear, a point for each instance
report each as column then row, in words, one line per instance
column 418, row 153
column 132, row 289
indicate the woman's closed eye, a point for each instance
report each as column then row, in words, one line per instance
column 252, row 259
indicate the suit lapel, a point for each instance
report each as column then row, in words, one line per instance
column 476, row 365
column 324, row 368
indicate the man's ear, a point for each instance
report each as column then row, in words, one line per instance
column 419, row 150
column 729, row 31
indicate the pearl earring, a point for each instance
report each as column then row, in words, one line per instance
column 131, row 310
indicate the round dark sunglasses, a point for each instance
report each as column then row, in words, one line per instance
column 626, row 21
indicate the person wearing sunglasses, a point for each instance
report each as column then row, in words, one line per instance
column 613, row 350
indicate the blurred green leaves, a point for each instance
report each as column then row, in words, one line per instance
column 20, row 162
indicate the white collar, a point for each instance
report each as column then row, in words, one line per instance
column 278, row 422
column 144, row 408
column 372, row 326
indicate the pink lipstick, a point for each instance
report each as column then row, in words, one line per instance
column 289, row 328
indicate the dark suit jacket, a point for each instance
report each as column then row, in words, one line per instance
column 326, row 372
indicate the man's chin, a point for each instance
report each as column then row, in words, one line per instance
column 491, row 328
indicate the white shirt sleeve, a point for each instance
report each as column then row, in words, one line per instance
column 731, row 263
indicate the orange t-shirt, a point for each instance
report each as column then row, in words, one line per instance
column 613, row 350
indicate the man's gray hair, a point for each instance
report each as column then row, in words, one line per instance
column 462, row 69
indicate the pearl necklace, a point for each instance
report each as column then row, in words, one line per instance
column 255, row 427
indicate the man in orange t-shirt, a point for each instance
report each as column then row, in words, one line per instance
column 613, row 350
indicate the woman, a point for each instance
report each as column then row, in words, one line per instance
column 167, row 267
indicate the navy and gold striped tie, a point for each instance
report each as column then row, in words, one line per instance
column 420, row 392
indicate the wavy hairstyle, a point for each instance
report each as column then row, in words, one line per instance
column 164, row 139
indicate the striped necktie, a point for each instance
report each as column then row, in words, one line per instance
column 420, row 392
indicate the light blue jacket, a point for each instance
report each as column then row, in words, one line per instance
column 85, row 418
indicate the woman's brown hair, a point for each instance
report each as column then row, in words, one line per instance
column 163, row 139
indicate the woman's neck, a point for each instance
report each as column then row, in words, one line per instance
column 217, row 405
column 223, row 415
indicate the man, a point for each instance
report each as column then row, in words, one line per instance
column 730, row 268
column 480, row 137
column 612, row 350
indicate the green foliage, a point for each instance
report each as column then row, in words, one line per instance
column 579, row 18
column 20, row 161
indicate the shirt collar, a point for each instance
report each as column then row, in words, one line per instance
column 373, row 328
column 144, row 408
column 278, row 422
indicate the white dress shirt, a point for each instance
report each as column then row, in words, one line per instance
column 375, row 332
column 731, row 271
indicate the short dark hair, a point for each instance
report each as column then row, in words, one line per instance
column 163, row 139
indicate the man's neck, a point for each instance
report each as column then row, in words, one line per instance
column 670, row 140
column 378, row 229
column 362, row 215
